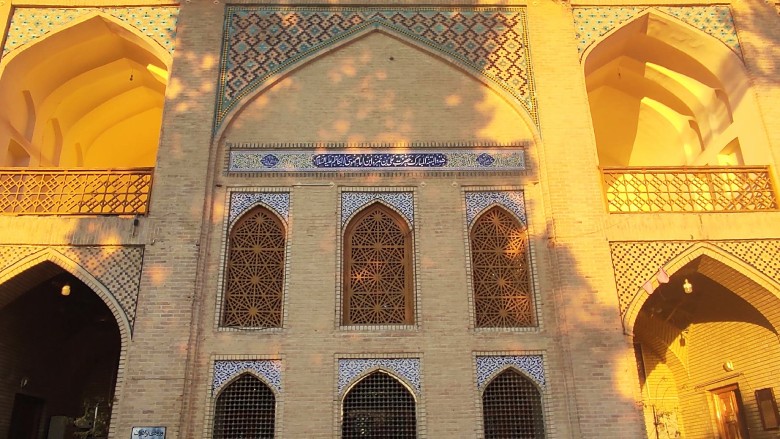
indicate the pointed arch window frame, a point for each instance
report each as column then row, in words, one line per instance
column 238, row 202
column 352, row 202
column 507, row 360
column 477, row 201
column 216, row 388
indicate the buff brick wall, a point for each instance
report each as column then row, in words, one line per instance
column 590, row 363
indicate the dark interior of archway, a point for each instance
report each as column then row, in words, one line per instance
column 62, row 350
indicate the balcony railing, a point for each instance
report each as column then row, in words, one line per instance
column 689, row 189
column 53, row 191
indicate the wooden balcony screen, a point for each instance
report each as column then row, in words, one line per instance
column 689, row 189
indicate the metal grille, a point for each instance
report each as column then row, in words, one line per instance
column 245, row 409
column 67, row 191
column 255, row 273
column 689, row 189
column 500, row 268
column 379, row 407
column 512, row 408
column 378, row 269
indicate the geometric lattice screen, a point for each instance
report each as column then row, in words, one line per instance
column 512, row 407
column 501, row 273
column 377, row 269
column 254, row 285
column 379, row 406
column 245, row 409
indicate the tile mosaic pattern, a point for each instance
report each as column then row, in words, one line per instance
column 29, row 24
column 117, row 268
column 351, row 368
column 352, row 202
column 240, row 202
column 259, row 42
column 532, row 365
column 637, row 262
column 591, row 23
column 507, row 159
column 479, row 201
column 226, row 370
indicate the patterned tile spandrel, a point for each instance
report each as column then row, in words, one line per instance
column 479, row 201
column 591, row 23
column 29, row 24
column 259, row 42
column 241, row 202
column 531, row 365
column 478, row 159
column 226, row 370
column 351, row 202
column 406, row 368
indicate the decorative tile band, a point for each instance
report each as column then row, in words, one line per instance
column 118, row 268
column 532, row 365
column 507, row 159
column 716, row 20
column 261, row 41
column 407, row 368
column 226, row 370
column 29, row 24
column 478, row 201
column 240, row 202
column 352, row 202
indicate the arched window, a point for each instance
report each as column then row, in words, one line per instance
column 512, row 407
column 501, row 271
column 245, row 409
column 254, row 284
column 377, row 269
column 379, row 407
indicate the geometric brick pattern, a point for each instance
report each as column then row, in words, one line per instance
column 590, row 23
column 118, row 268
column 29, row 24
column 260, row 42
column 636, row 262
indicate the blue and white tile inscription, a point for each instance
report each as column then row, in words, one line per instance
column 531, row 365
column 479, row 201
column 240, row 202
column 226, row 370
column 370, row 159
column 352, row 202
column 406, row 368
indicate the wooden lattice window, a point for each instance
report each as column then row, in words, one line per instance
column 501, row 271
column 379, row 407
column 254, row 284
column 377, row 269
column 512, row 407
column 245, row 409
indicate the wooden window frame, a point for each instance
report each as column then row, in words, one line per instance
column 766, row 402
column 347, row 287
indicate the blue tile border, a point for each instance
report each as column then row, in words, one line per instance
column 531, row 365
column 352, row 368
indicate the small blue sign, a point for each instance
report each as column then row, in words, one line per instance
column 148, row 433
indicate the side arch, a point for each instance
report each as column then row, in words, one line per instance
column 728, row 265
column 234, row 108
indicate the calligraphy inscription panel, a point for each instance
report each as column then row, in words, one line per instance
column 148, row 433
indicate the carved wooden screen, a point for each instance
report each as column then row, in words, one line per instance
column 512, row 407
column 501, row 271
column 377, row 269
column 255, row 271
column 245, row 409
column 379, row 407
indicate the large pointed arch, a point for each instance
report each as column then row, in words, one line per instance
column 235, row 108
column 125, row 72
column 512, row 405
column 246, row 404
column 733, row 273
column 381, row 405
column 655, row 80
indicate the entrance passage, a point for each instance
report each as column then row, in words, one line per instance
column 60, row 347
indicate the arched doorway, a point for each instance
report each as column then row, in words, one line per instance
column 707, row 347
column 61, row 346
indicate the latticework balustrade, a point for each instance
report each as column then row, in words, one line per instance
column 75, row 191
column 689, row 189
